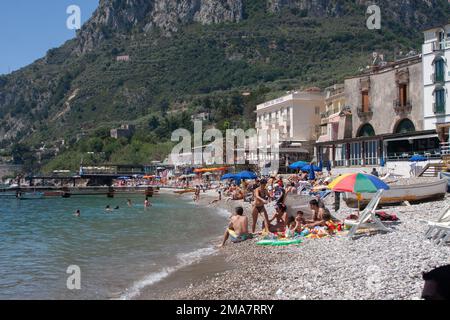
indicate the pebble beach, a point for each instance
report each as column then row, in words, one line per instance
column 381, row 266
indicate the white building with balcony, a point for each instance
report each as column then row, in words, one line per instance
column 436, row 80
column 296, row 116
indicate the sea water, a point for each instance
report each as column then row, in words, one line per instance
column 119, row 253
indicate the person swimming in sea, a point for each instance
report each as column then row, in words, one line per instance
column 77, row 213
column 108, row 208
column 129, row 203
column 147, row 203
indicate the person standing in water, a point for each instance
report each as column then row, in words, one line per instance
column 130, row 204
column 147, row 203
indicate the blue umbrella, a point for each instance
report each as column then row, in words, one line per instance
column 246, row 175
column 312, row 175
column 418, row 158
column 123, row 178
column 329, row 166
column 298, row 165
column 308, row 168
column 227, row 176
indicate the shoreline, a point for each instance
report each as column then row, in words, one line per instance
column 379, row 266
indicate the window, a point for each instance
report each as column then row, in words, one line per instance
column 365, row 101
column 439, row 96
column 403, row 94
column 317, row 110
column 366, row 131
column 439, row 70
column 405, row 126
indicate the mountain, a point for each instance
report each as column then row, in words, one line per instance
column 188, row 56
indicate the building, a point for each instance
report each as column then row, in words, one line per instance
column 331, row 119
column 125, row 131
column 436, row 81
column 124, row 58
column 296, row 116
column 383, row 119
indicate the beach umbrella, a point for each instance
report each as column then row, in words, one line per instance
column 123, row 178
column 357, row 183
column 298, row 165
column 207, row 174
column 246, row 175
column 308, row 168
column 417, row 158
column 227, row 176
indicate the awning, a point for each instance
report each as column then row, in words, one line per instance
column 428, row 136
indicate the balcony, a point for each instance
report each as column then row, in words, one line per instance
column 439, row 108
column 441, row 45
column 402, row 108
column 365, row 114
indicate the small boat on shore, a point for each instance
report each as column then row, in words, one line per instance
column 445, row 176
column 413, row 193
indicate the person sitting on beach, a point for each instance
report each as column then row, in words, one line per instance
column 237, row 230
column 260, row 200
column 375, row 173
column 437, row 284
column 321, row 215
column 300, row 222
column 280, row 217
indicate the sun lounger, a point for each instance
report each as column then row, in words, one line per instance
column 439, row 231
column 368, row 218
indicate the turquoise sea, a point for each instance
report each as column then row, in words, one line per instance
column 119, row 253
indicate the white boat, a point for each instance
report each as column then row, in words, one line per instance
column 413, row 193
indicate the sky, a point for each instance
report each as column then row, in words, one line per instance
column 29, row 28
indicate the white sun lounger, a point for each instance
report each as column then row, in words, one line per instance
column 439, row 231
column 368, row 214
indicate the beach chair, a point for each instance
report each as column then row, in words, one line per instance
column 369, row 214
column 439, row 231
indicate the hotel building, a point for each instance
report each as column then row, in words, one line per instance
column 383, row 118
column 296, row 116
column 436, row 82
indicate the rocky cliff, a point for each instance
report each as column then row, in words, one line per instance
column 114, row 16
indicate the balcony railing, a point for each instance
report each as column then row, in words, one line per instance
column 439, row 108
column 402, row 107
column 445, row 148
column 441, row 45
column 365, row 113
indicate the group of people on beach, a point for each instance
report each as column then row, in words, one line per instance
column 275, row 190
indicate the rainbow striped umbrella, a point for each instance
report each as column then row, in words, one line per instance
column 357, row 183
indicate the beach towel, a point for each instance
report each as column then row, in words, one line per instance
column 278, row 242
column 384, row 216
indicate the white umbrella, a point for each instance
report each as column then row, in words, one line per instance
column 208, row 174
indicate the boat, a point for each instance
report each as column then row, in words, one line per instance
column 184, row 191
column 31, row 196
column 445, row 176
column 413, row 193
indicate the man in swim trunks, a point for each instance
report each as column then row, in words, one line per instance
column 260, row 199
column 237, row 230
